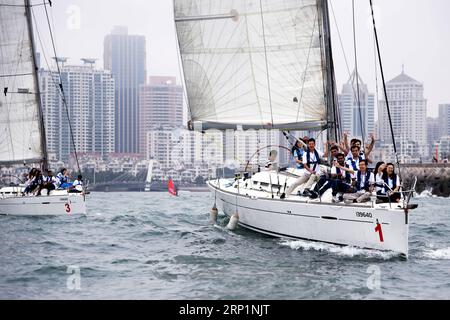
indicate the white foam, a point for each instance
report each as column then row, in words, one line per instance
column 426, row 194
column 438, row 254
column 347, row 251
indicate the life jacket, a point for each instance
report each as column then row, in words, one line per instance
column 347, row 176
column 353, row 162
column 38, row 180
column 366, row 182
column 308, row 159
column 299, row 156
column 62, row 179
column 394, row 181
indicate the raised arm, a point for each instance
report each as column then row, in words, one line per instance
column 345, row 145
column 369, row 148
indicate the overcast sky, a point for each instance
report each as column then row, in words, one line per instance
column 415, row 33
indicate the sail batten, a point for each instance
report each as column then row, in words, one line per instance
column 20, row 132
column 253, row 64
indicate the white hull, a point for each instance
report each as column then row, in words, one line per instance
column 59, row 203
column 300, row 218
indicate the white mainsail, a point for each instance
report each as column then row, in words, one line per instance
column 245, row 61
column 20, row 134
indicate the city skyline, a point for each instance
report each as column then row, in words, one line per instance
column 419, row 47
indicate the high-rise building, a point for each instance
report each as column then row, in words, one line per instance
column 252, row 145
column 434, row 132
column 408, row 112
column 89, row 94
column 161, row 105
column 442, row 148
column 125, row 56
column 174, row 149
column 444, row 117
column 353, row 113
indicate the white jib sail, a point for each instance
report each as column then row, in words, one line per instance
column 20, row 137
column 245, row 61
column 149, row 172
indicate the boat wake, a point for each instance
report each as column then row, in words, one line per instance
column 437, row 254
column 347, row 251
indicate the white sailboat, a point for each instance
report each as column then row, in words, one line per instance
column 22, row 132
column 148, row 180
column 268, row 65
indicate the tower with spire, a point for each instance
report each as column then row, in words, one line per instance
column 352, row 112
column 408, row 113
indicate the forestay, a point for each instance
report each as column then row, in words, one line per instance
column 253, row 64
column 20, row 137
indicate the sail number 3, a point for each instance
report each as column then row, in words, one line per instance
column 68, row 209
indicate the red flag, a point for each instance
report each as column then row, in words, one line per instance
column 172, row 189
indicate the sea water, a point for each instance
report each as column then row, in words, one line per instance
column 156, row 246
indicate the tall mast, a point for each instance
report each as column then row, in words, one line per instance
column 38, row 91
column 332, row 115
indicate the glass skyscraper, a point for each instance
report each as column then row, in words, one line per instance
column 125, row 56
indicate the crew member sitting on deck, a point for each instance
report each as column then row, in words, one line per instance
column 298, row 152
column 391, row 183
column 63, row 179
column 49, row 182
column 312, row 170
column 77, row 185
column 29, row 184
column 341, row 178
column 364, row 185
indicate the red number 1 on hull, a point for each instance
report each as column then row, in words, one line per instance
column 378, row 229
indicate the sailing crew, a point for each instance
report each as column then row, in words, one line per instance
column 339, row 180
column 391, row 182
column 298, row 152
column 63, row 179
column 78, row 184
column 312, row 170
column 364, row 154
column 380, row 169
column 334, row 151
column 37, row 182
column 355, row 159
column 29, row 183
column 364, row 185
column 49, row 182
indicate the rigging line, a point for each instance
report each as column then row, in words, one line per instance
column 342, row 46
column 376, row 72
column 384, row 88
column 253, row 71
column 62, row 90
column 14, row 84
column 51, row 73
column 357, row 78
column 23, row 5
column 306, row 67
column 267, row 62
column 16, row 75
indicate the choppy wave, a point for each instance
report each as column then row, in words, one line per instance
column 437, row 254
column 428, row 193
column 425, row 194
column 167, row 248
column 346, row 251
